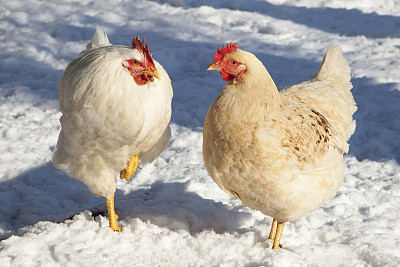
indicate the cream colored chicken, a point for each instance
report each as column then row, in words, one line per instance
column 279, row 152
column 116, row 107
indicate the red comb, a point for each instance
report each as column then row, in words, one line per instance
column 142, row 47
column 229, row 48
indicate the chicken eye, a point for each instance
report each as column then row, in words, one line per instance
column 135, row 62
column 234, row 62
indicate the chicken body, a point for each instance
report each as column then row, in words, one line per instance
column 107, row 118
column 279, row 152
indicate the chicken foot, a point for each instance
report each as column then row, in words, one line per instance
column 276, row 233
column 112, row 216
column 130, row 168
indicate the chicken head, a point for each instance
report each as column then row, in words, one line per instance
column 141, row 68
column 229, row 67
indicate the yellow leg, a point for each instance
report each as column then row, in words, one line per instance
column 272, row 233
column 277, row 239
column 130, row 168
column 112, row 216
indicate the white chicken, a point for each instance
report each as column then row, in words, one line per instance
column 279, row 152
column 116, row 107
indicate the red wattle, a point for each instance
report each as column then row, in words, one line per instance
column 226, row 76
column 140, row 79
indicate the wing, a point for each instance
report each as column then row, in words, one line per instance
column 308, row 135
column 298, row 137
column 329, row 93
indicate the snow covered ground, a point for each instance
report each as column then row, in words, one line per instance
column 172, row 212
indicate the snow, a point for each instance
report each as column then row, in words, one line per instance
column 171, row 211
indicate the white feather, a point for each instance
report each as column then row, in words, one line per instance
column 106, row 117
column 99, row 39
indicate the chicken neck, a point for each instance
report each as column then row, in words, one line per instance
column 254, row 97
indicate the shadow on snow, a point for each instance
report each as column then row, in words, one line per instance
column 332, row 20
column 46, row 194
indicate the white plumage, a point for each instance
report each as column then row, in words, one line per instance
column 279, row 152
column 107, row 117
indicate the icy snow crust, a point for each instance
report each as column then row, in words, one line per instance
column 172, row 212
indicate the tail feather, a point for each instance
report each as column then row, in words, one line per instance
column 333, row 67
column 100, row 38
column 336, row 71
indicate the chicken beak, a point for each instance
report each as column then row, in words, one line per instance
column 213, row 66
column 152, row 72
